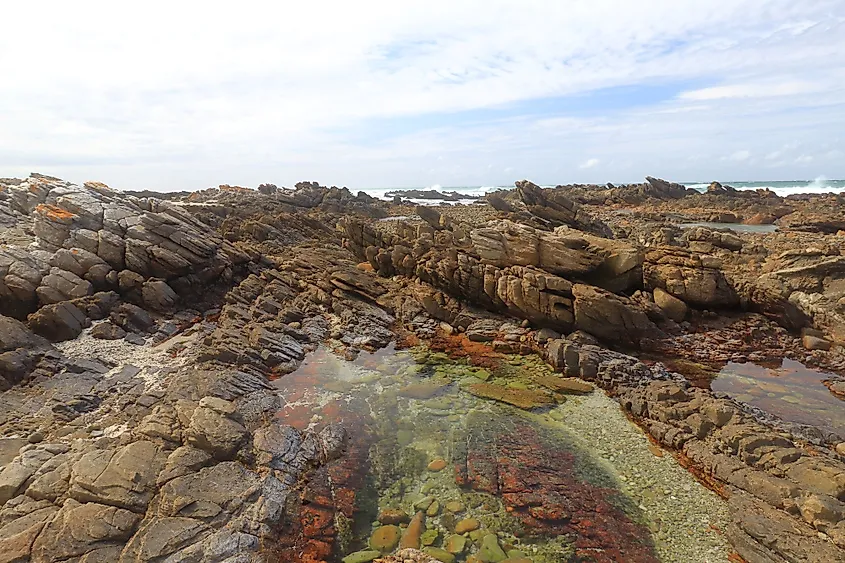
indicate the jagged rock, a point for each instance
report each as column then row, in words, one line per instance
column 565, row 252
column 557, row 209
column 157, row 295
column 610, row 317
column 61, row 285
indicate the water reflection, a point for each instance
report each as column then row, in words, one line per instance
column 793, row 392
column 739, row 227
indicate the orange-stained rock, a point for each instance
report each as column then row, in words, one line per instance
column 411, row 537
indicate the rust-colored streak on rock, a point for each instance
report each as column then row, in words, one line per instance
column 460, row 347
column 54, row 213
column 538, row 482
column 309, row 534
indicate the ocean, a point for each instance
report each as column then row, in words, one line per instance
column 782, row 187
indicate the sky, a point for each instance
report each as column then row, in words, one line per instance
column 373, row 94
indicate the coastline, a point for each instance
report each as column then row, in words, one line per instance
column 142, row 337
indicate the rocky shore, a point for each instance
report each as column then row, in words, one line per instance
column 146, row 342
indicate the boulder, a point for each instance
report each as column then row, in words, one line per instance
column 671, row 306
column 693, row 278
column 58, row 322
column 211, row 429
column 107, row 331
column 610, row 317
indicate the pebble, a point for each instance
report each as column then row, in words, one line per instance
column 437, row 465
column 467, row 525
column 385, row 538
column 456, row 506
column 393, row 516
column 35, row 437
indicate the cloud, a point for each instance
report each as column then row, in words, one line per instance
column 326, row 91
column 591, row 163
column 740, row 156
column 791, row 88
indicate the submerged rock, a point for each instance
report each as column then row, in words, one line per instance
column 523, row 398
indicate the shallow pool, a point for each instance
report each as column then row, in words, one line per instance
column 439, row 457
column 739, row 227
column 792, row 391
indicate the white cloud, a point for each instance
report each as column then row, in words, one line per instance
column 756, row 90
column 591, row 163
column 172, row 97
column 740, row 156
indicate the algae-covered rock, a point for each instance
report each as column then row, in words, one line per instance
column 393, row 516
column 565, row 384
column 420, row 390
column 467, row 525
column 429, row 537
column 521, row 398
column 385, row 538
column 455, row 544
column 491, row 551
column 361, row 556
column 455, row 506
column 439, row 554
column 437, row 465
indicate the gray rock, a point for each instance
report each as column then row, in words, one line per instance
column 184, row 460
column 132, row 318
column 124, row 477
column 159, row 296
column 204, row 495
column 215, row 433
column 107, row 331
column 58, row 322
column 78, row 529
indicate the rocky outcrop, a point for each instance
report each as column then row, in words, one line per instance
column 691, row 277
column 90, row 238
column 554, row 208
column 519, row 270
column 565, row 252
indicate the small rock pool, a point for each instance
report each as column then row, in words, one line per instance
column 738, row 227
column 485, row 458
column 791, row 391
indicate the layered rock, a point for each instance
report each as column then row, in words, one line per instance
column 90, row 238
column 520, row 270
column 554, row 208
